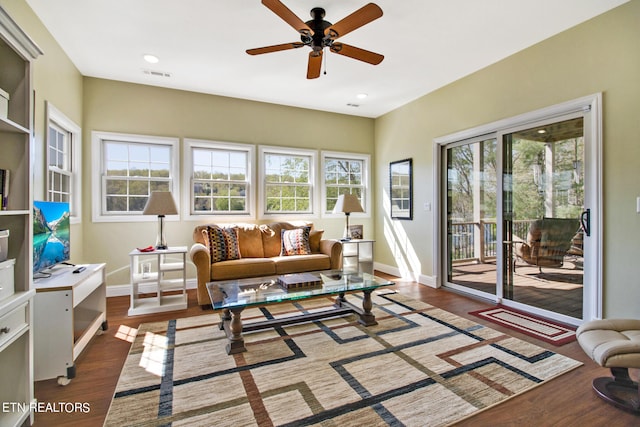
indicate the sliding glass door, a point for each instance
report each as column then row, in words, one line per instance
column 471, row 216
column 520, row 212
column 542, row 203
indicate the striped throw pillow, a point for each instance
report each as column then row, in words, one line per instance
column 223, row 244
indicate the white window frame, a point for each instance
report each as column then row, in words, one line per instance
column 313, row 166
column 366, row 182
column 73, row 169
column 98, row 188
column 187, row 178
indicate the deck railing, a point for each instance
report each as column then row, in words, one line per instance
column 465, row 246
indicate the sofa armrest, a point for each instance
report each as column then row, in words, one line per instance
column 199, row 254
column 333, row 248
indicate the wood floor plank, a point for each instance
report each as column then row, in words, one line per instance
column 565, row 401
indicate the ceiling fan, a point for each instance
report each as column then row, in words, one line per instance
column 318, row 34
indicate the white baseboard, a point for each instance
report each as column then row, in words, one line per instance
column 408, row 275
column 125, row 290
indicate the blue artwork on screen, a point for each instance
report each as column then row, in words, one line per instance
column 51, row 244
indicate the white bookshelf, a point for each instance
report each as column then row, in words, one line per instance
column 17, row 51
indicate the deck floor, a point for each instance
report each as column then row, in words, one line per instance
column 555, row 289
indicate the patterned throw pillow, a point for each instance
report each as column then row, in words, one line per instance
column 295, row 242
column 223, row 244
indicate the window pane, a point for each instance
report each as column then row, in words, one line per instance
column 282, row 170
column 116, row 204
column 343, row 176
column 116, row 186
column 139, row 188
column 140, row 168
column 220, row 180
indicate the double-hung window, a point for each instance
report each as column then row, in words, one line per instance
column 130, row 167
column 63, row 161
column 344, row 173
column 220, row 178
column 288, row 177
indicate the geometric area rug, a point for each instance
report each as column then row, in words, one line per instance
column 420, row 366
column 526, row 323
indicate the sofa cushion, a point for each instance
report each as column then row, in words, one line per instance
column 245, row 267
column 299, row 263
column 223, row 244
column 250, row 241
column 314, row 240
column 295, row 242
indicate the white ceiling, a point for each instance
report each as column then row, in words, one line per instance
column 201, row 43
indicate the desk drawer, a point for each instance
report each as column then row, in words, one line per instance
column 13, row 323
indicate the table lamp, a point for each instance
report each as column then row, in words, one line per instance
column 160, row 203
column 347, row 203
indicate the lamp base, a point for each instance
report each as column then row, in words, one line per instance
column 161, row 241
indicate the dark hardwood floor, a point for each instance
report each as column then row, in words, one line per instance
column 565, row 401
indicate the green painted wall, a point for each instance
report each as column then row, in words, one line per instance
column 600, row 55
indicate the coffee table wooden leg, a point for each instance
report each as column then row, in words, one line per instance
column 366, row 317
column 225, row 316
column 340, row 299
column 236, row 342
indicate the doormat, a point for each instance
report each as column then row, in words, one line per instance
column 542, row 329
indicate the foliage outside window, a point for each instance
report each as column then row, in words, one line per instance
column 288, row 181
column 343, row 175
column 220, row 181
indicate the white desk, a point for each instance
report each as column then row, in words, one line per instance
column 69, row 309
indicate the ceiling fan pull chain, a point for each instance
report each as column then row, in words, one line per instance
column 325, row 64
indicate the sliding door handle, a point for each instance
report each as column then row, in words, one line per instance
column 585, row 222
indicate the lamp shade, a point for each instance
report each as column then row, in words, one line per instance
column 347, row 203
column 160, row 203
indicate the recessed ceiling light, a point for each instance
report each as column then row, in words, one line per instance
column 541, row 131
column 151, row 59
column 361, row 95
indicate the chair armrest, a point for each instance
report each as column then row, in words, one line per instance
column 199, row 254
column 332, row 248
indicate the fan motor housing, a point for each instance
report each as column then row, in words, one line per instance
column 317, row 41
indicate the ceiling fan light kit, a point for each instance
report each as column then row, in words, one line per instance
column 319, row 34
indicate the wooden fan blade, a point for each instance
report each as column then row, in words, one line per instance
column 274, row 48
column 357, row 19
column 357, row 53
column 315, row 64
column 287, row 15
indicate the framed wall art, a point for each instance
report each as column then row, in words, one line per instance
column 401, row 189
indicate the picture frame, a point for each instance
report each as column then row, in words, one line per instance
column 355, row 232
column 401, row 189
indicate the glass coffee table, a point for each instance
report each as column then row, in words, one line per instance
column 232, row 296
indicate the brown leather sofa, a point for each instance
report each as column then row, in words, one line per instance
column 260, row 248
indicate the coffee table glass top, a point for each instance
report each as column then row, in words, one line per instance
column 260, row 290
